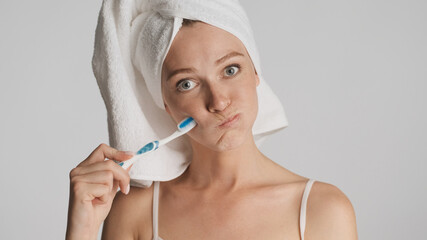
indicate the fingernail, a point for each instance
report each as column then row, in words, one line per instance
column 127, row 189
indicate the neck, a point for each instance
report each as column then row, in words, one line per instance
column 231, row 169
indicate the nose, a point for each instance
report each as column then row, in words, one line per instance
column 218, row 98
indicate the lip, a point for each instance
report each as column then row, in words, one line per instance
column 230, row 121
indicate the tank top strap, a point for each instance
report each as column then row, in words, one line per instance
column 155, row 210
column 303, row 209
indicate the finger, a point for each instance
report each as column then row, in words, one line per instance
column 90, row 191
column 116, row 184
column 118, row 172
column 104, row 151
column 115, row 188
column 102, row 194
column 98, row 177
column 100, row 166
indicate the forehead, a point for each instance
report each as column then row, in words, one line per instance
column 201, row 43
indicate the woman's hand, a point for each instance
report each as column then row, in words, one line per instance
column 93, row 185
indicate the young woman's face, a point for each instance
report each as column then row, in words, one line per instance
column 208, row 75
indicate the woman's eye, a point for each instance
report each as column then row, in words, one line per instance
column 231, row 70
column 185, row 85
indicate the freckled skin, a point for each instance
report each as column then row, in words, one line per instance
column 215, row 92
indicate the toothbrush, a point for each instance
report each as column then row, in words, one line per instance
column 183, row 127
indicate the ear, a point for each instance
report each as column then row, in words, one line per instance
column 167, row 108
column 256, row 78
column 164, row 103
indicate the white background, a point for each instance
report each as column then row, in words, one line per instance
column 352, row 76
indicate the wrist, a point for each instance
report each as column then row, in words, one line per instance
column 81, row 233
column 73, row 235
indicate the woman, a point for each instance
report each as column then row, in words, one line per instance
column 230, row 190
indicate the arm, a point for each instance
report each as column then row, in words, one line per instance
column 330, row 214
column 93, row 185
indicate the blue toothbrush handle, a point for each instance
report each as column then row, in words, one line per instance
column 149, row 147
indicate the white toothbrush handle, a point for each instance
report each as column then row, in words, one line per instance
column 170, row 138
column 127, row 163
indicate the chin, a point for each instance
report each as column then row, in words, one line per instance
column 232, row 140
column 228, row 142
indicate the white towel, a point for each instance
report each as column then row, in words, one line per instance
column 132, row 39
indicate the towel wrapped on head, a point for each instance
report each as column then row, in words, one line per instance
column 132, row 39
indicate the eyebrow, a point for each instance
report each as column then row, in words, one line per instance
column 229, row 55
column 217, row 62
column 181, row 70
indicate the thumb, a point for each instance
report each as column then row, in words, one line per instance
column 124, row 155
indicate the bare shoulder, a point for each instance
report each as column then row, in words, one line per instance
column 330, row 214
column 130, row 215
